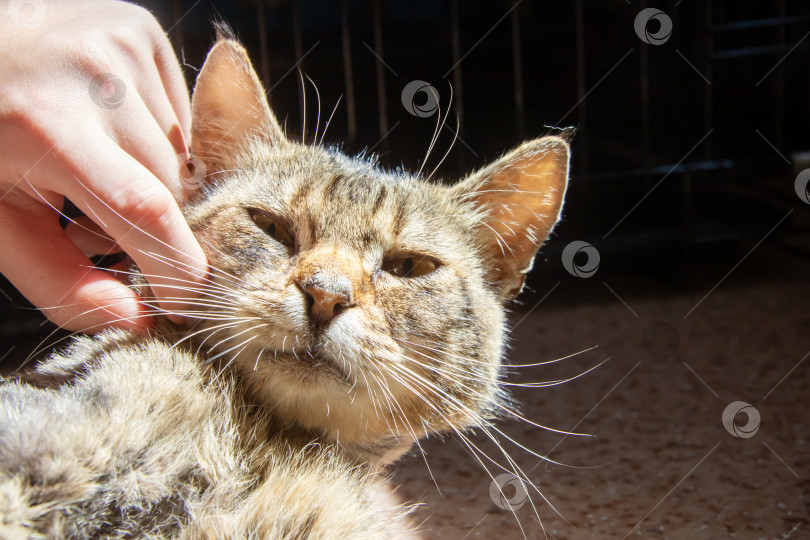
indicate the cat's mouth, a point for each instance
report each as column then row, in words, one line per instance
column 312, row 362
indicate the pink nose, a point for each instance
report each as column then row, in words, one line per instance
column 330, row 295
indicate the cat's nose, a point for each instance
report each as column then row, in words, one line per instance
column 330, row 294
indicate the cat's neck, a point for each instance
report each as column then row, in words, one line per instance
column 258, row 423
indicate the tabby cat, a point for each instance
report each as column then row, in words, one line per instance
column 348, row 313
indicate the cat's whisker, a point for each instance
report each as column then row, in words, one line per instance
column 200, row 307
column 320, row 142
column 232, row 323
column 212, row 246
column 258, row 356
column 497, row 403
column 148, row 301
column 42, row 347
column 474, row 450
column 477, row 376
column 393, row 406
column 206, row 296
column 318, row 120
column 238, row 282
column 436, row 131
column 214, row 302
column 398, row 411
column 516, row 470
column 304, row 115
column 206, row 338
column 438, row 349
column 183, row 285
column 485, row 427
column 218, row 355
column 96, row 233
column 214, row 310
column 410, row 427
column 472, row 416
column 233, row 358
column 377, row 412
column 208, row 284
column 232, row 336
column 128, row 222
column 380, row 382
column 449, row 149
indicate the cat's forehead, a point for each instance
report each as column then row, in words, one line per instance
column 329, row 187
column 321, row 195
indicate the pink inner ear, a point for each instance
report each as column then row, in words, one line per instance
column 522, row 194
column 229, row 107
column 525, row 206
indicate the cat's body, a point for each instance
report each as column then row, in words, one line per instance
column 349, row 312
column 124, row 436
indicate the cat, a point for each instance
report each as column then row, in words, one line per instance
column 349, row 312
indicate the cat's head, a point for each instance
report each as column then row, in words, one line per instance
column 357, row 304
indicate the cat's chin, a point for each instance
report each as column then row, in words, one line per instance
column 313, row 393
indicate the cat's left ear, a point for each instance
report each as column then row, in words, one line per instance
column 520, row 197
column 229, row 108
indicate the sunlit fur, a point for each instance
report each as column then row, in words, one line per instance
column 253, row 419
column 374, row 384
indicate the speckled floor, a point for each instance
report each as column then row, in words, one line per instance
column 661, row 464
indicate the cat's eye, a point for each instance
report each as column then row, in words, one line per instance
column 272, row 228
column 410, row 266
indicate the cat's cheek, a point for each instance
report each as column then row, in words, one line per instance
column 277, row 311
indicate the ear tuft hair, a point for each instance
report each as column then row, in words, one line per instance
column 224, row 31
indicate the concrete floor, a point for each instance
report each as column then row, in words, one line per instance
column 661, row 464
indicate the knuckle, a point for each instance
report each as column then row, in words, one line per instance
column 91, row 55
column 145, row 207
column 137, row 39
column 143, row 26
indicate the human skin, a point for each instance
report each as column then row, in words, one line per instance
column 94, row 109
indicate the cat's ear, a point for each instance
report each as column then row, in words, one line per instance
column 520, row 197
column 229, row 108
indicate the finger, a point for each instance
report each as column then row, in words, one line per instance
column 55, row 276
column 158, row 71
column 162, row 105
column 139, row 212
column 136, row 130
column 174, row 83
column 89, row 238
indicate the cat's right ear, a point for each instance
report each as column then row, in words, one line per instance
column 229, row 108
column 519, row 197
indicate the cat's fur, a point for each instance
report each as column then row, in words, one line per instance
column 313, row 362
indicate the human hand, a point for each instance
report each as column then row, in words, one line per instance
column 94, row 109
